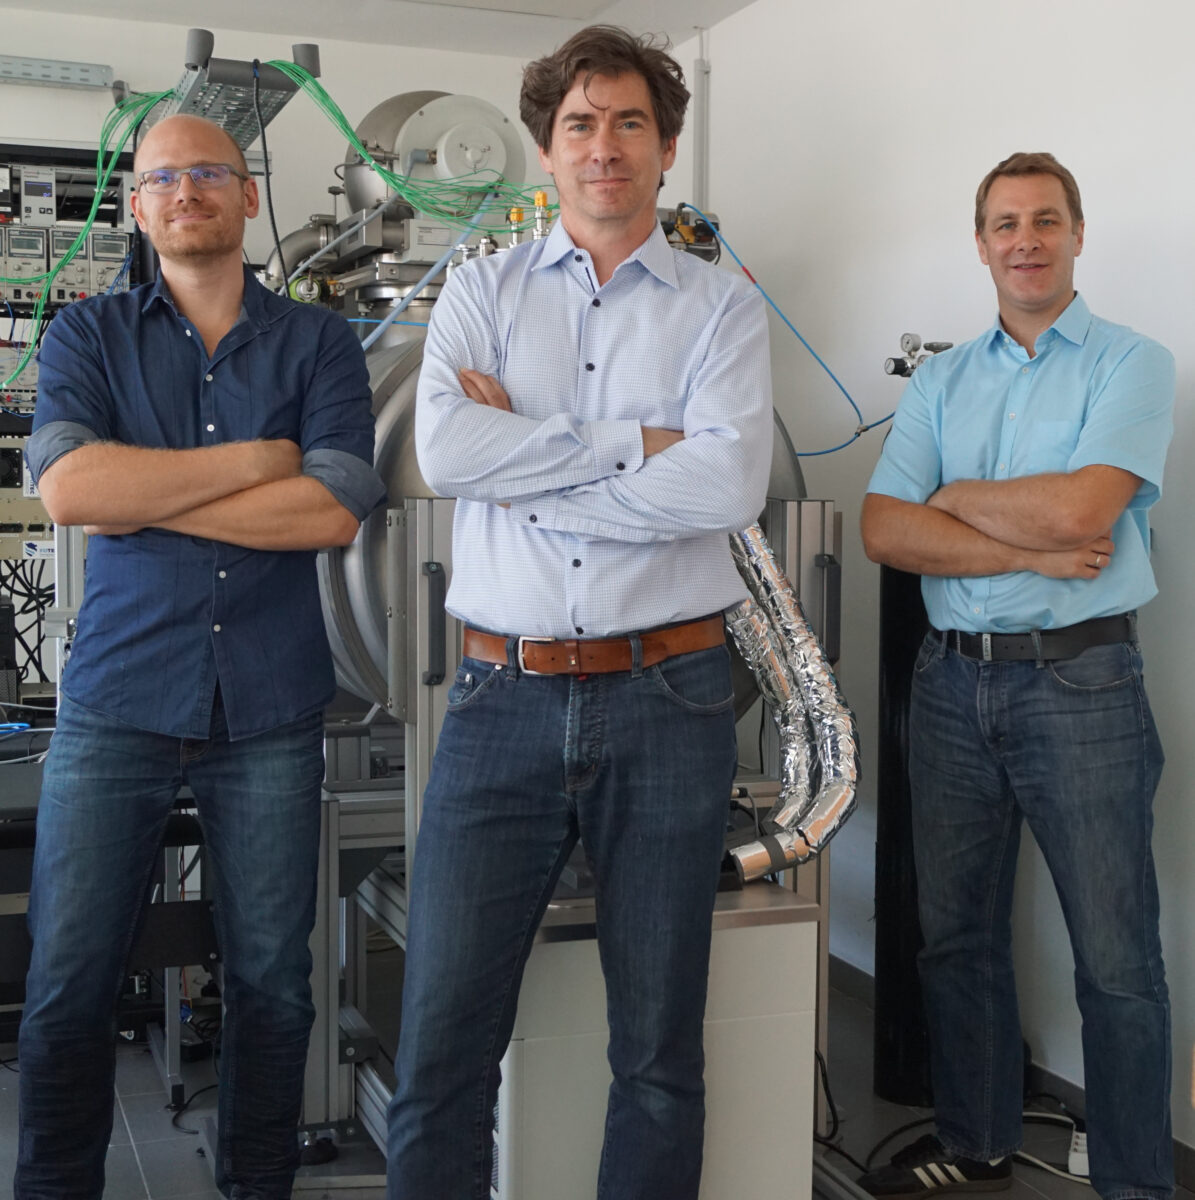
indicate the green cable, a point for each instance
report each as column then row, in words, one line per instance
column 452, row 200
column 120, row 122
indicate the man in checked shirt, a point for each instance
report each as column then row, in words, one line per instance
column 601, row 406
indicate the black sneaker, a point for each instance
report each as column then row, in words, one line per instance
column 925, row 1167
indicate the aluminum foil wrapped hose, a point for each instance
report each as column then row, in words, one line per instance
column 818, row 748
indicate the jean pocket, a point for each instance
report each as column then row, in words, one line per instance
column 698, row 682
column 1097, row 668
column 473, row 680
column 931, row 649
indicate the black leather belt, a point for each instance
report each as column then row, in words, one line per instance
column 1043, row 644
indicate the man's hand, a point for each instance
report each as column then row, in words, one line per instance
column 656, row 440
column 1086, row 562
column 484, row 389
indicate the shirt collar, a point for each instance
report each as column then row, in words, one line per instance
column 260, row 306
column 655, row 254
column 1072, row 323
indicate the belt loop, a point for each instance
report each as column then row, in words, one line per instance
column 512, row 656
column 943, row 642
column 636, row 655
column 1035, row 634
column 1132, row 616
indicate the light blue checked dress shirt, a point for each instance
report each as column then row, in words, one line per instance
column 1094, row 393
column 597, row 540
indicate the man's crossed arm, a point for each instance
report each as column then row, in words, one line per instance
column 250, row 494
column 485, row 389
column 1052, row 524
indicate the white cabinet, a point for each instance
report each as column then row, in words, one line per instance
column 759, row 1039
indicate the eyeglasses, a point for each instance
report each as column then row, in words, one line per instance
column 204, row 176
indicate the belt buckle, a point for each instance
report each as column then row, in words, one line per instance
column 524, row 669
column 986, row 643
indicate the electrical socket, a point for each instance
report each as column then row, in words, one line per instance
column 1076, row 1159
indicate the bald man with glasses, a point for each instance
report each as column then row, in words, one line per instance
column 211, row 437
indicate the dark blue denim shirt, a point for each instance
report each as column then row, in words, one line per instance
column 167, row 617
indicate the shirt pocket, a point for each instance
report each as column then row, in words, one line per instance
column 1047, row 447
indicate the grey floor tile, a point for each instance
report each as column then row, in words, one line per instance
column 124, row 1181
column 136, row 1071
column 175, row 1168
column 347, row 1194
column 120, row 1128
column 150, row 1120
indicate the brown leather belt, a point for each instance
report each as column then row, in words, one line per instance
column 1048, row 645
column 594, row 656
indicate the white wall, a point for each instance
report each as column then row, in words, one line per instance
column 304, row 146
column 847, row 143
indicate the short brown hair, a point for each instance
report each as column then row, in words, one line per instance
column 1022, row 163
column 603, row 50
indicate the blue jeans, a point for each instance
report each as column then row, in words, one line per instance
column 107, row 792
column 638, row 764
column 1070, row 746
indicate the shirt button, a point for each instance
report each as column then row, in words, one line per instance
column 223, row 574
column 590, row 367
column 533, row 518
column 577, row 258
column 576, row 562
column 187, row 332
column 211, row 429
column 579, row 629
column 1024, row 370
column 1002, row 467
column 208, row 378
column 216, row 628
column 597, row 304
column 977, row 610
column 621, row 466
column 1012, row 416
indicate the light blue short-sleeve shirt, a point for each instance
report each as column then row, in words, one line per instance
column 1094, row 393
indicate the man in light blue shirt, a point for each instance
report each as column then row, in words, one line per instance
column 1017, row 480
column 600, row 404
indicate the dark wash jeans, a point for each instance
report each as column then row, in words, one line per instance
column 107, row 792
column 1070, row 746
column 640, row 766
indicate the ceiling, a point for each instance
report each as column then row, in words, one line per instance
column 518, row 28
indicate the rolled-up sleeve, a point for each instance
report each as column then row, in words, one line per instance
column 74, row 400
column 353, row 482
column 49, row 443
column 337, row 427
